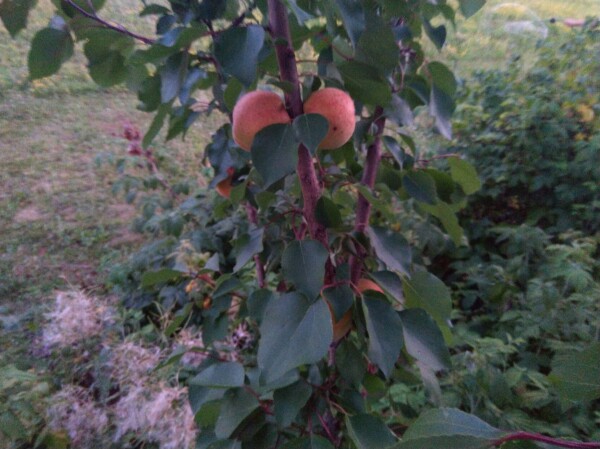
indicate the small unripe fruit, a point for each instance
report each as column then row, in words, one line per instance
column 338, row 108
column 223, row 188
column 367, row 284
column 343, row 326
column 255, row 111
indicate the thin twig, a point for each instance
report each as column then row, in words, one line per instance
column 548, row 440
column 118, row 27
column 363, row 209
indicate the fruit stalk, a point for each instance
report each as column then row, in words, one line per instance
column 286, row 60
column 363, row 208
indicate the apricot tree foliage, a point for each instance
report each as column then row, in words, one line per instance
column 318, row 223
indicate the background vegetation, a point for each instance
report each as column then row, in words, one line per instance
column 527, row 288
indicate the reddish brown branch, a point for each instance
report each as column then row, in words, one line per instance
column 115, row 27
column 548, row 440
column 363, row 208
column 286, row 59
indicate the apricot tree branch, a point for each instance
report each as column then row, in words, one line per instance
column 545, row 439
column 286, row 59
column 363, row 209
column 115, row 27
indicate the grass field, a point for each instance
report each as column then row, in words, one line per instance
column 60, row 225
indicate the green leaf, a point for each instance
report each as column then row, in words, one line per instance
column 105, row 51
column 236, row 406
column 247, row 246
column 275, row 152
column 294, row 331
column 303, row 263
column 399, row 111
column 444, row 184
column 310, row 130
column 442, row 77
column 385, row 333
column 464, row 174
column 441, row 107
column 198, row 396
column 14, row 14
column 369, row 432
column 154, row 9
column 237, row 51
column 152, row 278
column 390, row 282
column 221, row 375
column 384, row 207
column 424, row 340
column 288, row 402
column 328, row 213
column 11, row 426
column 420, row 186
column 258, row 302
column 353, row 17
column 576, row 376
column 424, row 290
column 377, row 47
column 309, row 442
column 350, row 362
column 89, row 6
column 340, row 298
column 50, row 47
column 436, row 34
column 391, row 248
column 156, row 125
column 172, row 76
column 470, row 7
column 225, row 444
column 443, row 212
column 448, row 428
column 149, row 93
column 301, row 15
column 365, row 83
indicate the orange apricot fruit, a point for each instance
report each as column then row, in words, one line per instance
column 254, row 111
column 338, row 108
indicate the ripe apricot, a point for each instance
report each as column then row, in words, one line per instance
column 338, row 108
column 255, row 111
column 341, row 327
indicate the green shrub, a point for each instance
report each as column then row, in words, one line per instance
column 535, row 139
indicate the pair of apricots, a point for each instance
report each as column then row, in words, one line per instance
column 258, row 109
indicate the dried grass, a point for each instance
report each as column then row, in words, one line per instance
column 147, row 409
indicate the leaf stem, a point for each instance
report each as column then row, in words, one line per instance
column 118, row 27
column 548, row 440
column 363, row 208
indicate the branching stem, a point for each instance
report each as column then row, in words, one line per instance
column 545, row 439
column 286, row 59
column 115, row 27
column 363, row 209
